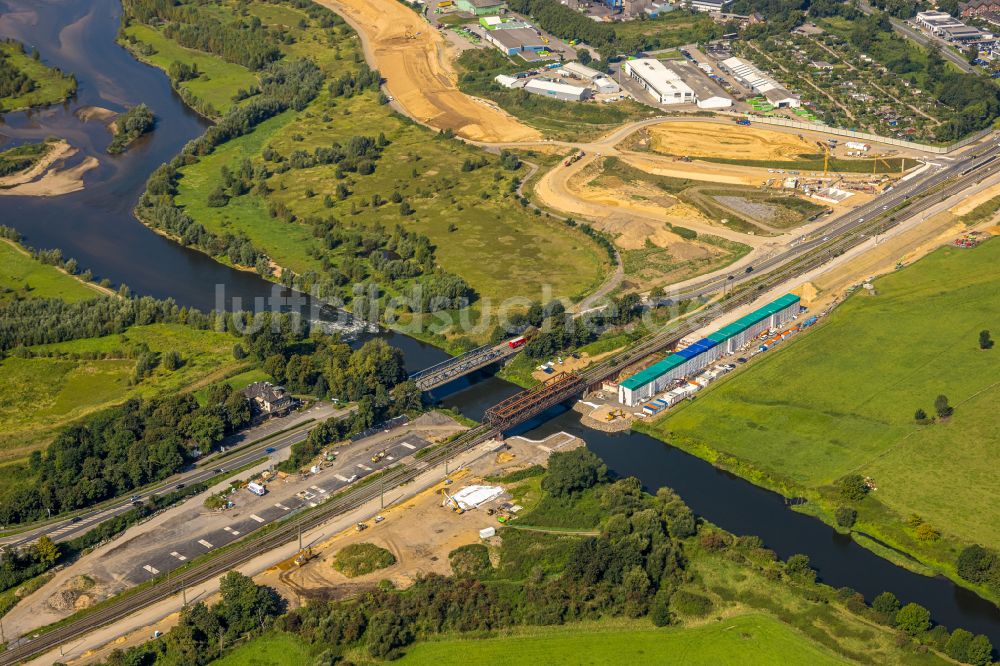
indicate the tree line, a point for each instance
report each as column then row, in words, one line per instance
column 13, row 82
column 638, row 565
column 242, row 41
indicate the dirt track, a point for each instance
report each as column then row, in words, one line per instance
column 728, row 141
column 412, row 58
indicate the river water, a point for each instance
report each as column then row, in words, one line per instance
column 96, row 226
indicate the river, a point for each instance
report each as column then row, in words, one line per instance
column 96, row 227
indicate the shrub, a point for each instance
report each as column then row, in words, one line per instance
column 852, row 487
column 573, row 471
column 846, row 516
column 913, row 619
column 470, row 560
column 359, row 559
column 691, row 604
column 886, row 605
column 957, row 646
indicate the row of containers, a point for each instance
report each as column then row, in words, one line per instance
column 692, row 359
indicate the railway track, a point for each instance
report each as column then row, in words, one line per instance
column 242, row 552
column 852, row 234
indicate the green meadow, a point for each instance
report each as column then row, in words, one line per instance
column 841, row 399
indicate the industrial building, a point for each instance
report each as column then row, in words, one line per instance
column 945, row 26
column 480, row 7
column 516, row 40
column 581, row 71
column 665, row 85
column 762, row 84
column 676, row 82
column 606, row 86
column 715, row 6
column 707, row 93
column 556, row 90
column 660, row 376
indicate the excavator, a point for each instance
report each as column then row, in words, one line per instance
column 451, row 501
column 304, row 556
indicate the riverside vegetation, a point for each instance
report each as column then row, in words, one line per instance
column 289, row 184
column 838, row 404
column 652, row 569
column 26, row 82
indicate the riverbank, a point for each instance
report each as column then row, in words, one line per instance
column 44, row 178
column 47, row 86
column 829, row 406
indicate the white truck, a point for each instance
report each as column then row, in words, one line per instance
column 256, row 488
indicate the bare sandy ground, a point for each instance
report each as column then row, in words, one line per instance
column 45, row 179
column 54, row 182
column 100, row 114
column 413, row 59
column 728, row 141
column 417, row 530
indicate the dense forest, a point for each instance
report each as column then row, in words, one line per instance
column 638, row 565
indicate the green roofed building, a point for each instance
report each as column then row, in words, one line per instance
column 646, row 383
column 480, row 7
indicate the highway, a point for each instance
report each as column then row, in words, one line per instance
column 70, row 528
column 982, row 160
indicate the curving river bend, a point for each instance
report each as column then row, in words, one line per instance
column 96, row 226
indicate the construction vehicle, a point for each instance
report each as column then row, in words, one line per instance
column 360, row 527
column 304, row 556
column 574, row 158
column 452, row 502
column 379, row 456
column 379, row 518
column 743, row 121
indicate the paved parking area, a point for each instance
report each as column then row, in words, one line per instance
column 195, row 531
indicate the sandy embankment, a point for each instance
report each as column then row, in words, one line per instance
column 45, row 179
column 412, row 57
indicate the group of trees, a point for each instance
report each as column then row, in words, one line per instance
column 980, row 566
column 129, row 126
column 204, row 632
column 13, row 82
column 117, row 450
column 636, row 566
column 242, row 41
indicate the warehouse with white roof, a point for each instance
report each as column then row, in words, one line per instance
column 762, row 84
column 562, row 91
column 665, row 85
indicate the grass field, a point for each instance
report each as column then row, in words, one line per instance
column 24, row 277
column 271, row 650
column 219, row 79
column 747, row 639
column 841, row 399
column 498, row 247
column 51, row 85
column 43, row 394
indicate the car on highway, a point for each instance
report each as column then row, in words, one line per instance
column 218, row 470
column 269, row 449
column 749, row 269
column 178, row 486
column 135, row 498
column 75, row 519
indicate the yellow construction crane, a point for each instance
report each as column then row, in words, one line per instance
column 877, row 158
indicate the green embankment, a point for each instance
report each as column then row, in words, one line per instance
column 841, row 399
column 47, row 84
column 751, row 640
column 21, row 158
column 66, row 381
column 21, row 276
column 479, row 230
column 217, row 81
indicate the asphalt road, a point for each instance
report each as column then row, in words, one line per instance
column 208, row 469
column 214, row 530
column 900, row 194
column 910, row 32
